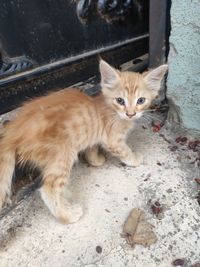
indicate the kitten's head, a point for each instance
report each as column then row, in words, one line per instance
column 130, row 93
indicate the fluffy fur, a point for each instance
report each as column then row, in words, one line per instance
column 50, row 131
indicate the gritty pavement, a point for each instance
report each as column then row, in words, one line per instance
column 31, row 237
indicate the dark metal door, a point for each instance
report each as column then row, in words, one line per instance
column 53, row 43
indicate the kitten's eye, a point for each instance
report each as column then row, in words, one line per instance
column 141, row 100
column 120, row 101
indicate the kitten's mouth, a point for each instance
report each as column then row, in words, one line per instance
column 131, row 118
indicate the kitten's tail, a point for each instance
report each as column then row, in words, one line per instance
column 7, row 166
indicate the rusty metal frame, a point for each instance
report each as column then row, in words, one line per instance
column 159, row 28
column 21, row 87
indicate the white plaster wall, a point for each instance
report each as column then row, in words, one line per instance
column 183, row 85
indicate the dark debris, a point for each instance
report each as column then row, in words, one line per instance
column 99, row 249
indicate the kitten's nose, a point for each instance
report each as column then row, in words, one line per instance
column 130, row 115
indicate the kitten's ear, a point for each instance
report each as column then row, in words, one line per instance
column 109, row 76
column 154, row 77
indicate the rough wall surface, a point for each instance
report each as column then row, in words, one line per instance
column 183, row 86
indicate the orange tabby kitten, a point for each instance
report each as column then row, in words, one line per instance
column 50, row 131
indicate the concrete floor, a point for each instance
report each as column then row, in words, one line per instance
column 31, row 237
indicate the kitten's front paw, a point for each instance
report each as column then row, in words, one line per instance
column 71, row 214
column 135, row 161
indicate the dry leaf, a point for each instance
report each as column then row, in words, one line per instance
column 157, row 126
column 137, row 230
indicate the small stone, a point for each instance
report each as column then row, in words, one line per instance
column 169, row 190
column 192, row 145
column 156, row 208
column 181, row 140
column 184, row 139
column 178, row 139
column 178, row 262
column 157, row 203
column 173, row 148
column 147, row 177
column 158, row 163
column 98, row 249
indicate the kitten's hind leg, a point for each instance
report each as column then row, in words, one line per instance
column 94, row 157
column 52, row 192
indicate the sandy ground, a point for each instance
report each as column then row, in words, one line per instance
column 31, row 237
